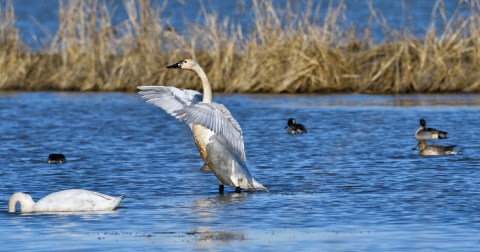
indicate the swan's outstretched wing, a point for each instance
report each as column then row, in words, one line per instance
column 217, row 118
column 185, row 105
column 169, row 99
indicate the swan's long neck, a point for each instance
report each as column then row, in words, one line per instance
column 26, row 202
column 207, row 89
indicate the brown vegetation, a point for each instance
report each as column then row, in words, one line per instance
column 282, row 54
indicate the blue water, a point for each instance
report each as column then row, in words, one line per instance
column 38, row 20
column 352, row 183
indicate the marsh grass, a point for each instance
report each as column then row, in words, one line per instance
column 281, row 53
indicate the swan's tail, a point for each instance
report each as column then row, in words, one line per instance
column 118, row 200
column 258, row 186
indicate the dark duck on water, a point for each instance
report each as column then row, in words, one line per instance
column 294, row 128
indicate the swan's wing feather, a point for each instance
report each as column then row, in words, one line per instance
column 169, row 99
column 217, row 118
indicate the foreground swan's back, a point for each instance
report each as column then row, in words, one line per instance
column 73, row 200
column 424, row 133
column 205, row 118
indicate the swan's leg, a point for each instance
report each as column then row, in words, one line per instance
column 238, row 190
column 220, row 188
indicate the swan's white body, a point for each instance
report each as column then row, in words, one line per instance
column 217, row 134
column 229, row 168
column 73, row 200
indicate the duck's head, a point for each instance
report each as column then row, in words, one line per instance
column 291, row 122
column 421, row 145
column 187, row 64
column 423, row 123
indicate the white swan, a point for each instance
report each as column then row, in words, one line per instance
column 73, row 200
column 210, row 122
column 229, row 168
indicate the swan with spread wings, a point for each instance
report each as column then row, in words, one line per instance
column 216, row 133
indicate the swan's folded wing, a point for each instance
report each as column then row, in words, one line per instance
column 216, row 118
column 169, row 99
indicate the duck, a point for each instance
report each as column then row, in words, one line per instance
column 435, row 150
column 209, row 121
column 72, row 200
column 294, row 128
column 55, row 158
column 424, row 133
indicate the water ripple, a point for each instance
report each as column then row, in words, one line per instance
column 353, row 179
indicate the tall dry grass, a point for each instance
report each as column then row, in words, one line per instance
column 282, row 53
column 13, row 56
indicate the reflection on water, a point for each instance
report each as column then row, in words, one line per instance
column 210, row 209
column 351, row 183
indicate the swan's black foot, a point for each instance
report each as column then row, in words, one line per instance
column 238, row 190
column 205, row 168
column 220, row 188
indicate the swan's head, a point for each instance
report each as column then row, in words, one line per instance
column 187, row 64
column 26, row 202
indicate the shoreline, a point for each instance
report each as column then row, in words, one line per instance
column 282, row 54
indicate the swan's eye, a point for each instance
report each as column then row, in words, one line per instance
column 184, row 61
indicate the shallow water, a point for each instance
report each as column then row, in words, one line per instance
column 351, row 183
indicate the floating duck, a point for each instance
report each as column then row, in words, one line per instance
column 56, row 159
column 294, row 128
column 424, row 133
column 435, row 150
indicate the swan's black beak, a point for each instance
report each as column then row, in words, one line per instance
column 176, row 65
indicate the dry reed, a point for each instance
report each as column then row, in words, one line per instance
column 282, row 53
